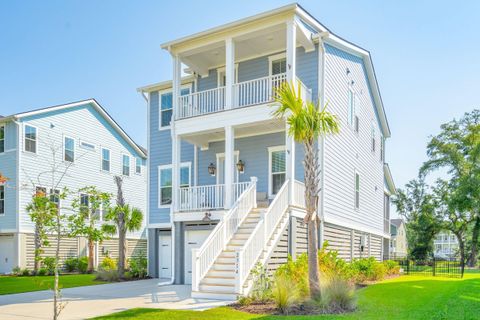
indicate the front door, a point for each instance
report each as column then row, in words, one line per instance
column 165, row 255
column 193, row 239
column 221, row 168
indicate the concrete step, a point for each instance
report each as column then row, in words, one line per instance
column 223, row 266
column 214, row 295
column 217, row 273
column 220, row 281
column 227, row 288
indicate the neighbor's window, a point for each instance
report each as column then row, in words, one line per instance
column 373, row 137
column 2, row 199
column 357, row 191
column 55, row 197
column 277, row 169
column 382, row 149
column 69, row 149
column 84, row 202
column 105, row 159
column 351, row 107
column 2, row 139
column 165, row 186
column 138, row 165
column 166, row 104
column 126, row 165
column 30, row 139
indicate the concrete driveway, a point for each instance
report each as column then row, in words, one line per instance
column 92, row 301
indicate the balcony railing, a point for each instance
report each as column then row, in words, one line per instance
column 201, row 102
column 257, row 91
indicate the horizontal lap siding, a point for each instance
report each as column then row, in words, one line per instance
column 135, row 248
column 279, row 255
column 69, row 247
column 307, row 69
column 301, row 236
column 339, row 239
column 8, row 168
column 376, row 247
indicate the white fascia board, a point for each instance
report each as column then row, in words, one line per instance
column 164, row 84
column 389, row 178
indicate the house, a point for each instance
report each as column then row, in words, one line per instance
column 398, row 239
column 86, row 147
column 225, row 186
column 445, row 245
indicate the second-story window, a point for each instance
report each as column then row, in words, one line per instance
column 166, row 111
column 55, row 197
column 277, row 169
column 2, row 199
column 351, row 107
column 126, row 165
column 382, row 149
column 2, row 139
column 165, row 186
column 105, row 160
column 373, row 137
column 30, row 139
column 69, row 149
column 357, row 190
column 138, row 165
column 279, row 66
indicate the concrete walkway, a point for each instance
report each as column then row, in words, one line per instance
column 93, row 301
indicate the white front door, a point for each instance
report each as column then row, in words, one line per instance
column 221, row 167
column 165, row 255
column 6, row 254
column 193, row 239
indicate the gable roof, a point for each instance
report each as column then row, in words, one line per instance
column 140, row 150
column 396, row 222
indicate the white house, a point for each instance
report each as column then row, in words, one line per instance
column 225, row 184
column 84, row 146
column 445, row 245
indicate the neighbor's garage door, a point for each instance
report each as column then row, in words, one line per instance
column 6, row 254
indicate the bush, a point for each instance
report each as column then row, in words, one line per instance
column 330, row 264
column 71, row 264
column 138, row 266
column 391, row 267
column 108, row 264
column 82, row 264
column 285, row 292
column 25, row 272
column 107, row 275
column 245, row 300
column 17, row 271
column 338, row 294
column 49, row 264
column 42, row 272
column 297, row 271
column 366, row 269
column 127, row 275
column 262, row 284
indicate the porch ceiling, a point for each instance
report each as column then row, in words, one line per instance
column 202, row 139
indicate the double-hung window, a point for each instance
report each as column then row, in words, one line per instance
column 357, row 190
column 55, row 197
column 2, row 199
column 105, row 160
column 279, row 66
column 138, row 165
column 277, row 169
column 2, row 139
column 373, row 136
column 30, row 139
column 166, row 109
column 351, row 108
column 69, row 149
column 84, row 203
column 165, row 182
column 125, row 165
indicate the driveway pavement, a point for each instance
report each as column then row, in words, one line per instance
column 92, row 301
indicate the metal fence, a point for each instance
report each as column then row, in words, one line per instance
column 431, row 267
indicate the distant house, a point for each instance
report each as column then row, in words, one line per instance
column 83, row 141
column 445, row 245
column 398, row 240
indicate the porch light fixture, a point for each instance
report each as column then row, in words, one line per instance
column 240, row 166
column 207, row 217
column 212, row 169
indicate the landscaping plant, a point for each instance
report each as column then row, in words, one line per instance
column 285, row 292
column 338, row 294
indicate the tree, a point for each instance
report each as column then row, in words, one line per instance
column 307, row 122
column 85, row 222
column 123, row 219
column 457, row 149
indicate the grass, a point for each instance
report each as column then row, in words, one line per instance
column 406, row 297
column 12, row 284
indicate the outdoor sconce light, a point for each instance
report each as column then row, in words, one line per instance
column 207, row 217
column 240, row 166
column 212, row 169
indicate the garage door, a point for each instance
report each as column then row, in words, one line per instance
column 193, row 239
column 165, row 255
column 6, row 254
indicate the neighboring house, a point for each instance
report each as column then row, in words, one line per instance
column 226, row 181
column 83, row 142
column 398, row 240
column 445, row 245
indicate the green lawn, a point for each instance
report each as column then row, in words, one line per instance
column 406, row 297
column 11, row 284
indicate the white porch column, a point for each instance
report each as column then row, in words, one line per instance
column 176, row 141
column 291, row 77
column 229, row 165
column 229, row 72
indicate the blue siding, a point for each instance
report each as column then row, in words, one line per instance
column 206, row 83
column 8, row 167
column 307, row 69
column 253, row 69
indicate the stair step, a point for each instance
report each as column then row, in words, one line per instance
column 217, row 281
column 214, row 295
column 223, row 266
column 230, row 288
column 225, row 260
column 218, row 273
column 242, row 235
column 227, row 254
column 244, row 230
column 237, row 241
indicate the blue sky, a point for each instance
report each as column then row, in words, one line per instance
column 53, row 52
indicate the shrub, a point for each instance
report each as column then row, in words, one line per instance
column 297, row 271
column 82, row 264
column 127, row 275
column 17, row 271
column 49, row 264
column 245, row 300
column 285, row 292
column 25, row 272
column 366, row 269
column 391, row 267
column 108, row 264
column 107, row 275
column 329, row 263
column 138, row 266
column 338, row 294
column 71, row 264
column 262, row 284
column 42, row 272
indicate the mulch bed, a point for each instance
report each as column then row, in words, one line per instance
column 269, row 307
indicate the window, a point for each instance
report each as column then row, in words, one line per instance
column 357, row 191
column 126, row 165
column 382, row 149
column 166, row 105
column 277, row 169
column 165, row 182
column 69, row 149
column 84, row 202
column 184, row 176
column 55, row 197
column 30, row 139
column 2, row 139
column 279, row 66
column 373, row 137
column 2, row 199
column 138, row 165
column 357, row 125
column 87, row 145
column 105, row 160
column 40, row 192
column 351, row 107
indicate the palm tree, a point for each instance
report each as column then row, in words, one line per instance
column 125, row 219
column 307, row 122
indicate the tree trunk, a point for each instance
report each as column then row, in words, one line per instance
column 38, row 248
column 91, row 250
column 461, row 247
column 313, row 269
column 122, row 252
column 472, row 260
column 56, row 290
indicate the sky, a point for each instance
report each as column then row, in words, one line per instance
column 425, row 55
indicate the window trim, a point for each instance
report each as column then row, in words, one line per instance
column 355, row 191
column 373, row 138
column 275, row 57
column 187, row 164
column 25, row 138
column 129, row 165
column 109, row 160
column 223, row 70
column 352, row 107
column 165, row 91
column 136, row 165
column 270, row 176
column 4, row 127
column 64, row 148
column 2, row 186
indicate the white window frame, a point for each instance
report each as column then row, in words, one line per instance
column 351, row 105
column 2, row 199
column 159, row 185
column 355, row 191
column 138, row 166
column 222, row 70
column 2, row 141
column 57, row 192
column 129, row 165
column 373, row 138
column 25, row 138
column 165, row 91
column 273, row 58
column 109, row 159
column 270, row 176
column 382, row 149
column 64, row 148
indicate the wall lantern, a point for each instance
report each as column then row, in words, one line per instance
column 240, row 166
column 212, row 169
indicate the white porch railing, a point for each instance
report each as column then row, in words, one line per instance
column 258, row 240
column 256, row 91
column 201, row 197
column 305, row 92
column 239, row 188
column 204, row 257
column 299, row 194
column 201, row 102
